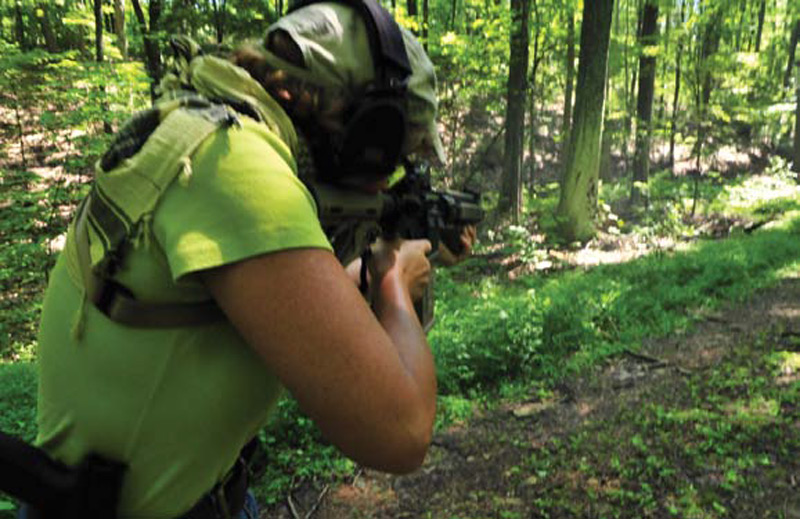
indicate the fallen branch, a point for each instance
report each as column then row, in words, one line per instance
column 317, row 503
column 642, row 356
column 292, row 507
column 307, row 515
column 655, row 362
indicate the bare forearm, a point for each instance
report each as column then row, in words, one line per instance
column 395, row 311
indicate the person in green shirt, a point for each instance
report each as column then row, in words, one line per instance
column 176, row 404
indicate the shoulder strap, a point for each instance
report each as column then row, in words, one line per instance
column 114, row 212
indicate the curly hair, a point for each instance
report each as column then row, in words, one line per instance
column 305, row 103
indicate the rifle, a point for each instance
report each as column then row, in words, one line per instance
column 411, row 209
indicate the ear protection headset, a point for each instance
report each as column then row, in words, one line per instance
column 372, row 143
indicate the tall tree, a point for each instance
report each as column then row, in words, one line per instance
column 219, row 8
column 570, row 77
column 677, row 90
column 796, row 165
column 119, row 27
column 538, row 56
column 511, row 190
column 740, row 27
column 792, row 49
column 43, row 12
column 98, row 30
column 425, row 23
column 411, row 6
column 150, row 33
column 762, row 11
column 578, row 202
column 644, row 104
column 709, row 45
column 19, row 26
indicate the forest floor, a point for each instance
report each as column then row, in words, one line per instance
column 673, row 430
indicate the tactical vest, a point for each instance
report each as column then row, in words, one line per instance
column 149, row 153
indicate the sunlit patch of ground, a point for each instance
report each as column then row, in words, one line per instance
column 724, row 159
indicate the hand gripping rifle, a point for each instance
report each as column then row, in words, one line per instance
column 411, row 209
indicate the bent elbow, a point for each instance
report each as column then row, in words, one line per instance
column 407, row 458
column 409, row 446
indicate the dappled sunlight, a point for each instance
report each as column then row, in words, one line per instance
column 761, row 188
column 756, row 410
column 785, row 311
column 787, row 367
column 57, row 244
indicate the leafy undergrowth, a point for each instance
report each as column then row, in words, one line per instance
column 723, row 443
column 545, row 328
column 53, row 122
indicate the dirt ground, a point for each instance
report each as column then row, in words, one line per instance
column 486, row 469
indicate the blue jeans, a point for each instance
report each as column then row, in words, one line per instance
column 250, row 510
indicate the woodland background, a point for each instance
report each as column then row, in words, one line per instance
column 661, row 137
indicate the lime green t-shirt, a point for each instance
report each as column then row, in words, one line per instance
column 176, row 405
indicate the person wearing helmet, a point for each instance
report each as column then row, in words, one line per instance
column 197, row 205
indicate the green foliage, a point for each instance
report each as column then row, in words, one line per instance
column 704, row 450
column 18, row 400
column 490, row 331
column 65, row 104
column 17, row 411
column 292, row 451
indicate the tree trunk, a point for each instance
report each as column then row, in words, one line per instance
column 792, row 48
column 532, row 114
column 710, row 46
column 119, row 28
column 740, row 27
column 411, row 6
column 677, row 95
column 604, row 172
column 635, row 67
column 511, row 190
column 796, row 165
column 98, row 30
column 151, row 50
column 662, row 105
column 425, row 22
column 644, row 106
column 47, row 28
column 626, row 67
column 578, row 202
column 762, row 11
column 19, row 26
column 570, row 79
column 219, row 8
